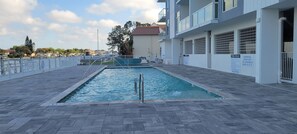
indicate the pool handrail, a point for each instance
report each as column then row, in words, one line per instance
column 142, row 82
column 141, row 88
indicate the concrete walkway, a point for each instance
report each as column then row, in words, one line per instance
column 259, row 108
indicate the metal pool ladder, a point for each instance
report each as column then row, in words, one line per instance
column 141, row 87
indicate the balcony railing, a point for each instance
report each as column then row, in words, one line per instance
column 184, row 24
column 162, row 15
column 204, row 15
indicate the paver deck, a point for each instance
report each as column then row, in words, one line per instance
column 258, row 109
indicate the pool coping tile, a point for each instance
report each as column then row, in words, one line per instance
column 55, row 100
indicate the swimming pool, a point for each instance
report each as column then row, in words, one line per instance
column 118, row 85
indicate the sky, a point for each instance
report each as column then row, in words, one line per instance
column 69, row 23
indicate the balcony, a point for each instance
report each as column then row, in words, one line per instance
column 204, row 15
column 162, row 15
column 184, row 24
column 161, row 1
column 182, row 2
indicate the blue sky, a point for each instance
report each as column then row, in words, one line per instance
column 69, row 23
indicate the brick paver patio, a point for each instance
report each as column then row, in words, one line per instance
column 258, row 109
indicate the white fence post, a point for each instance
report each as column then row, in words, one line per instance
column 55, row 62
column 16, row 68
column 39, row 64
column 49, row 63
column 2, row 66
column 8, row 68
column 21, row 65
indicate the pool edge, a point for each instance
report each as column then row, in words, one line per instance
column 203, row 86
column 54, row 101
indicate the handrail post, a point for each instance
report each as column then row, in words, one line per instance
column 135, row 86
column 139, row 87
column 142, row 98
column 2, row 66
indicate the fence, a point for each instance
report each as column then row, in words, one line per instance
column 16, row 68
column 287, row 66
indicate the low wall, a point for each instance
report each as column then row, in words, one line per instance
column 17, row 68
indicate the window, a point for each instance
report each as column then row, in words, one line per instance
column 248, row 41
column 224, row 43
column 200, row 46
column 188, row 47
column 229, row 4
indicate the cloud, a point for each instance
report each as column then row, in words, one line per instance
column 105, row 7
column 105, row 23
column 150, row 15
column 15, row 10
column 34, row 21
column 64, row 16
column 57, row 27
column 147, row 9
column 3, row 31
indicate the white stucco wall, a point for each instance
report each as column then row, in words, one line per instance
column 166, row 51
column 197, row 60
column 295, row 47
column 146, row 46
column 268, row 46
column 224, row 62
column 176, row 51
column 172, row 19
column 163, row 48
column 245, row 64
column 253, row 5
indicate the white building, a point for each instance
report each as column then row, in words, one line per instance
column 248, row 37
column 146, row 42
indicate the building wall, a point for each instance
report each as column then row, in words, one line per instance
column 172, row 19
column 263, row 65
column 230, row 14
column 166, row 51
column 146, row 46
column 295, row 47
column 253, row 5
column 163, row 49
column 268, row 46
column 224, row 62
column 197, row 60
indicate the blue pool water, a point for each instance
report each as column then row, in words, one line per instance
column 118, row 85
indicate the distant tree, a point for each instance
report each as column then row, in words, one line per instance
column 30, row 44
column 116, row 38
column 60, row 51
column 20, row 51
column 122, row 39
column 2, row 51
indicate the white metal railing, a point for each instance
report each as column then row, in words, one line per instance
column 203, row 15
column 287, row 66
column 184, row 24
column 14, row 68
column 141, row 88
column 162, row 14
